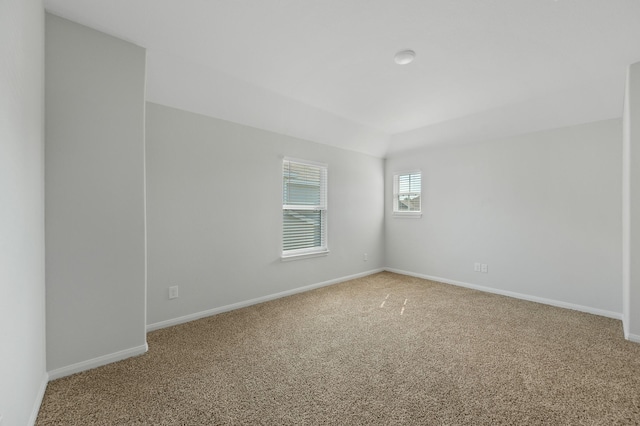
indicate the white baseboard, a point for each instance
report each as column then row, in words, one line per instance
column 559, row 304
column 38, row 402
column 97, row 362
column 632, row 337
column 226, row 308
column 625, row 328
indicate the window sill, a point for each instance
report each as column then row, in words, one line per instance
column 290, row 257
column 407, row 215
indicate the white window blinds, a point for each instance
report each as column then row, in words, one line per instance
column 407, row 190
column 304, row 207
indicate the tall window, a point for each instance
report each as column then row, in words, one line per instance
column 304, row 208
column 407, row 189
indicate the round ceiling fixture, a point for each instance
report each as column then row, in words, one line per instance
column 404, row 57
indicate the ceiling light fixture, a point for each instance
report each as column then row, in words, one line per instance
column 404, row 57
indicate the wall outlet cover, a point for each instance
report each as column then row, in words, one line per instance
column 173, row 292
column 476, row 267
column 485, row 268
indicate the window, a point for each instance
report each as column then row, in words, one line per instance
column 304, row 208
column 407, row 188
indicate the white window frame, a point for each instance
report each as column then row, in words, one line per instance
column 323, row 249
column 415, row 214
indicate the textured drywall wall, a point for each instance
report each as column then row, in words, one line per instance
column 95, row 240
column 542, row 210
column 631, row 205
column 214, row 213
column 22, row 280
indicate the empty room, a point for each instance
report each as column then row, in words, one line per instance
column 306, row 212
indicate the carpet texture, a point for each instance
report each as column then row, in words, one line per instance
column 384, row 349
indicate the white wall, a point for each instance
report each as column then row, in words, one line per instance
column 214, row 213
column 22, row 291
column 543, row 210
column 95, row 241
column 631, row 205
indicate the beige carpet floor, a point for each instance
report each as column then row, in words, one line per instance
column 384, row 349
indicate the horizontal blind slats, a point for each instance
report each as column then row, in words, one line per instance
column 304, row 206
column 408, row 190
column 304, row 184
column 409, row 183
column 302, row 229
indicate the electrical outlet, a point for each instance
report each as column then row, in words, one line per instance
column 365, row 257
column 476, row 267
column 484, row 268
column 173, row 292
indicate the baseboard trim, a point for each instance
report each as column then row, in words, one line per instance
column 632, row 337
column 244, row 304
column 39, row 397
column 545, row 301
column 97, row 362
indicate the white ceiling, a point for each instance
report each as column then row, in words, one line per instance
column 323, row 70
